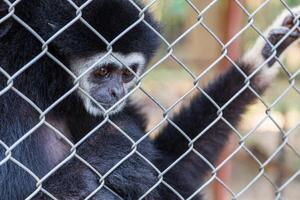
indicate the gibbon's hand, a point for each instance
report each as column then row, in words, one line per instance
column 282, row 34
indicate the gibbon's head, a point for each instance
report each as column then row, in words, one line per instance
column 105, row 43
column 108, row 70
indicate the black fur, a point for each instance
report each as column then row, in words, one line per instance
column 44, row 82
column 107, row 146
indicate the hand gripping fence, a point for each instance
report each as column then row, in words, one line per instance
column 277, row 189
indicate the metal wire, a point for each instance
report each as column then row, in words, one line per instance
column 166, row 111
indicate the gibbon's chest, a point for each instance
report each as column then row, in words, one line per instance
column 121, row 149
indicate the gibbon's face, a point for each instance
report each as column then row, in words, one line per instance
column 106, row 79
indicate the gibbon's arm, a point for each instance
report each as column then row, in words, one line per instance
column 200, row 113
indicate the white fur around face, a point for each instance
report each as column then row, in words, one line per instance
column 85, row 66
column 254, row 56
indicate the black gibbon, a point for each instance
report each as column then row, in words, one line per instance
column 43, row 66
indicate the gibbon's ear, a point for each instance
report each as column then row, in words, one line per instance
column 7, row 24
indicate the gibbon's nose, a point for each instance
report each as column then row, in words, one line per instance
column 108, row 96
column 116, row 93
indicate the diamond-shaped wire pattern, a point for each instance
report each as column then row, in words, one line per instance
column 104, row 177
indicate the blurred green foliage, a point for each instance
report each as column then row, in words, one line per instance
column 172, row 16
column 293, row 2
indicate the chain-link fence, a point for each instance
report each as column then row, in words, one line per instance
column 261, row 165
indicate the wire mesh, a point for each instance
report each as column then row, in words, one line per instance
column 166, row 111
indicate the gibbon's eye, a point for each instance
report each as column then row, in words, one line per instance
column 102, row 72
column 128, row 75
